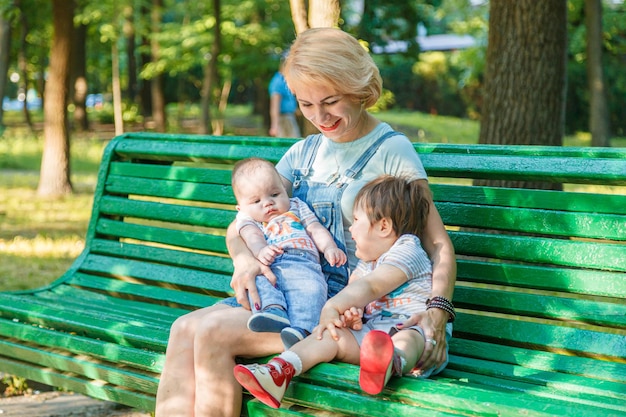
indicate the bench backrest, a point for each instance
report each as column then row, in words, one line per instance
column 541, row 274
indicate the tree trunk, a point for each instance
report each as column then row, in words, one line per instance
column 78, row 80
column 129, row 35
column 525, row 84
column 5, row 46
column 299, row 15
column 324, row 13
column 117, row 88
column 54, row 179
column 598, row 107
column 210, row 72
column 145, row 92
column 156, row 84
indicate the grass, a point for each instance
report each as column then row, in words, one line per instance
column 40, row 238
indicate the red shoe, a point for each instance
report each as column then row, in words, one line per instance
column 377, row 361
column 267, row 383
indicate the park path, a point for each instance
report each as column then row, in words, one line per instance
column 59, row 404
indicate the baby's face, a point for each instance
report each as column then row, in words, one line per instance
column 262, row 196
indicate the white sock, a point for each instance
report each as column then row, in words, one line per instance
column 294, row 359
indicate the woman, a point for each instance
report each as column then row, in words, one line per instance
column 335, row 81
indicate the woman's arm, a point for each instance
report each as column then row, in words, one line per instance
column 438, row 245
column 247, row 267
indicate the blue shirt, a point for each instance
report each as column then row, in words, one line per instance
column 288, row 103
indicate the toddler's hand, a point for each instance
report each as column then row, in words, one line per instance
column 353, row 318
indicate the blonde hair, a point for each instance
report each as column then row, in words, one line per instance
column 405, row 202
column 328, row 56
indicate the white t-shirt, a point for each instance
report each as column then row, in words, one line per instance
column 409, row 298
column 396, row 156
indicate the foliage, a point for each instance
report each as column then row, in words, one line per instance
column 14, row 385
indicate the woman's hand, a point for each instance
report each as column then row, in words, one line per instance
column 243, row 280
column 433, row 322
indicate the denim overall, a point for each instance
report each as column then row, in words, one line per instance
column 325, row 200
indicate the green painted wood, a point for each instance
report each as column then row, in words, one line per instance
column 82, row 366
column 523, row 150
column 539, row 360
column 541, row 305
column 171, row 213
column 546, row 277
column 516, row 331
column 537, row 250
column 204, row 175
column 560, row 384
column 194, row 151
column 140, row 359
column 545, row 222
column 171, row 189
column 108, row 299
column 158, row 273
column 199, row 261
column 54, row 316
column 526, row 168
column 70, row 382
column 526, row 198
column 567, row 393
column 164, row 235
column 184, row 301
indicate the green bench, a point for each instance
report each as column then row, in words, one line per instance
column 541, row 291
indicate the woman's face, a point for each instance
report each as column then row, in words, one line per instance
column 338, row 116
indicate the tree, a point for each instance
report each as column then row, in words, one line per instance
column 598, row 108
column 210, row 70
column 322, row 13
column 54, row 178
column 5, row 45
column 156, row 82
column 525, row 83
column 524, row 91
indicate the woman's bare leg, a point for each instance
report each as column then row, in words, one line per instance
column 176, row 392
column 219, row 341
column 197, row 378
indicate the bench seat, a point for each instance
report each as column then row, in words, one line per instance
column 540, row 294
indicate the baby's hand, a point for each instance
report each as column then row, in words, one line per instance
column 335, row 256
column 353, row 318
column 268, row 254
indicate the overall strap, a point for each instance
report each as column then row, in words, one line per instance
column 365, row 157
column 309, row 151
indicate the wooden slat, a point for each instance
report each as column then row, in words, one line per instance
column 70, row 382
column 171, row 189
column 162, row 235
column 199, row 261
column 164, row 274
column 543, row 277
column 545, row 222
column 541, row 250
column 204, row 175
column 545, row 335
column 526, row 198
column 53, row 316
column 540, row 360
column 141, row 358
column 81, row 365
column 154, row 294
column 542, row 305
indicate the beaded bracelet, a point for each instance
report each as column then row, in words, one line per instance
column 444, row 304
